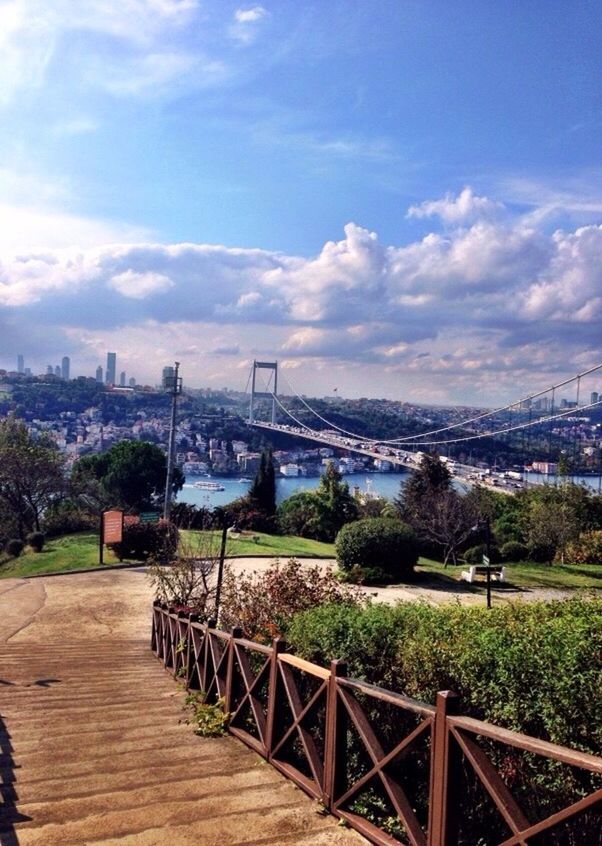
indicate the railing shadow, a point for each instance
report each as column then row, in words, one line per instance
column 9, row 814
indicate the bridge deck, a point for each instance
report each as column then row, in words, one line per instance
column 93, row 747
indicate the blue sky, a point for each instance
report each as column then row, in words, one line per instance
column 399, row 199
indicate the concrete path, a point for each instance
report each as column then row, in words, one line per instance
column 93, row 744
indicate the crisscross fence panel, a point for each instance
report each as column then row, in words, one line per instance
column 395, row 769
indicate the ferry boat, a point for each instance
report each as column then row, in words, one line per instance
column 209, row 486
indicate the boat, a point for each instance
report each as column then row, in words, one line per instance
column 209, row 486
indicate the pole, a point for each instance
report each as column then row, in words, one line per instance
column 101, row 539
column 171, row 444
column 220, row 570
column 488, row 524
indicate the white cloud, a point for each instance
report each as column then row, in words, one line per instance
column 246, row 21
column 463, row 208
column 255, row 13
column 138, row 286
column 479, row 300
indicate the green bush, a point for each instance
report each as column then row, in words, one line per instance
column 67, row 518
column 475, row 554
column 142, row 541
column 586, row 550
column 14, row 547
column 534, row 668
column 385, row 549
column 514, row 551
column 36, row 541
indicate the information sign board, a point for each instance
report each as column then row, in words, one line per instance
column 149, row 516
column 112, row 522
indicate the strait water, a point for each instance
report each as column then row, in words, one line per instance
column 383, row 484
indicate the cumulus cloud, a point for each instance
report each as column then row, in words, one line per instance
column 246, row 21
column 463, row 208
column 477, row 299
column 138, row 286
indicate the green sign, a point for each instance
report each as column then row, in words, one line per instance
column 149, row 516
column 486, row 560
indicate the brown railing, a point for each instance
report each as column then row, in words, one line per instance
column 397, row 770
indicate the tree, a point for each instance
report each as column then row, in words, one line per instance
column 299, row 515
column 262, row 494
column 438, row 514
column 31, row 476
column 130, row 475
column 337, row 505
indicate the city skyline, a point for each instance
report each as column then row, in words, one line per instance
column 399, row 200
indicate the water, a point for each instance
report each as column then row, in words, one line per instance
column 383, row 484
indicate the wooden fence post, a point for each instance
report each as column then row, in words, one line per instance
column 236, row 631
column 335, row 742
column 443, row 821
column 278, row 646
column 192, row 618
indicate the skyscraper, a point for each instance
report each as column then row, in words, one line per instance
column 65, row 367
column 122, row 379
column 111, row 368
column 20, row 364
column 132, row 382
column 57, row 370
column 167, row 378
column 99, row 373
column 49, row 369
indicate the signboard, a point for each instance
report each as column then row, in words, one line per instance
column 486, row 561
column 112, row 524
column 149, row 516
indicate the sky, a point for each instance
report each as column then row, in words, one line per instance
column 393, row 199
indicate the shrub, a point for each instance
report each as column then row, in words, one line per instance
column 586, row 550
column 475, row 554
column 263, row 603
column 145, row 540
column 514, row 551
column 383, row 548
column 530, row 667
column 14, row 547
column 67, row 518
column 36, row 541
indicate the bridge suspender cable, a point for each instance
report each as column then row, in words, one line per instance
column 518, row 427
column 408, row 440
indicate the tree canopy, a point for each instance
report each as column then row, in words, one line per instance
column 130, row 475
column 31, row 477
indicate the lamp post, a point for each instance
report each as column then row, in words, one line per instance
column 175, row 387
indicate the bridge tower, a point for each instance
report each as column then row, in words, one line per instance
column 263, row 365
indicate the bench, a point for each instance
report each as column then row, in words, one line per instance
column 497, row 572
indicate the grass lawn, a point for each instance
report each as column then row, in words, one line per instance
column 526, row 574
column 71, row 552
column 258, row 543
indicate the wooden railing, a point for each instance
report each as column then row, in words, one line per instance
column 397, row 770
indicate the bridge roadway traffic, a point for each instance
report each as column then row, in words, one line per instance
column 94, row 747
column 464, row 473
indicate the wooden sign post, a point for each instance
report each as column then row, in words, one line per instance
column 111, row 529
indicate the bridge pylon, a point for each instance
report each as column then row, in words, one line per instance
column 255, row 394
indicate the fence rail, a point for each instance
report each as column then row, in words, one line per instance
column 397, row 770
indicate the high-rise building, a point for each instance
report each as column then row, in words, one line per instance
column 20, row 364
column 57, row 370
column 132, row 382
column 111, row 368
column 122, row 379
column 49, row 369
column 594, row 397
column 99, row 373
column 65, row 367
column 167, row 378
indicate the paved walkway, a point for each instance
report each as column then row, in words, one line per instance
column 93, row 747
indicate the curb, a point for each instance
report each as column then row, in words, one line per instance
column 102, row 569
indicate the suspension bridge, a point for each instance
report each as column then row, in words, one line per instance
column 543, row 422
